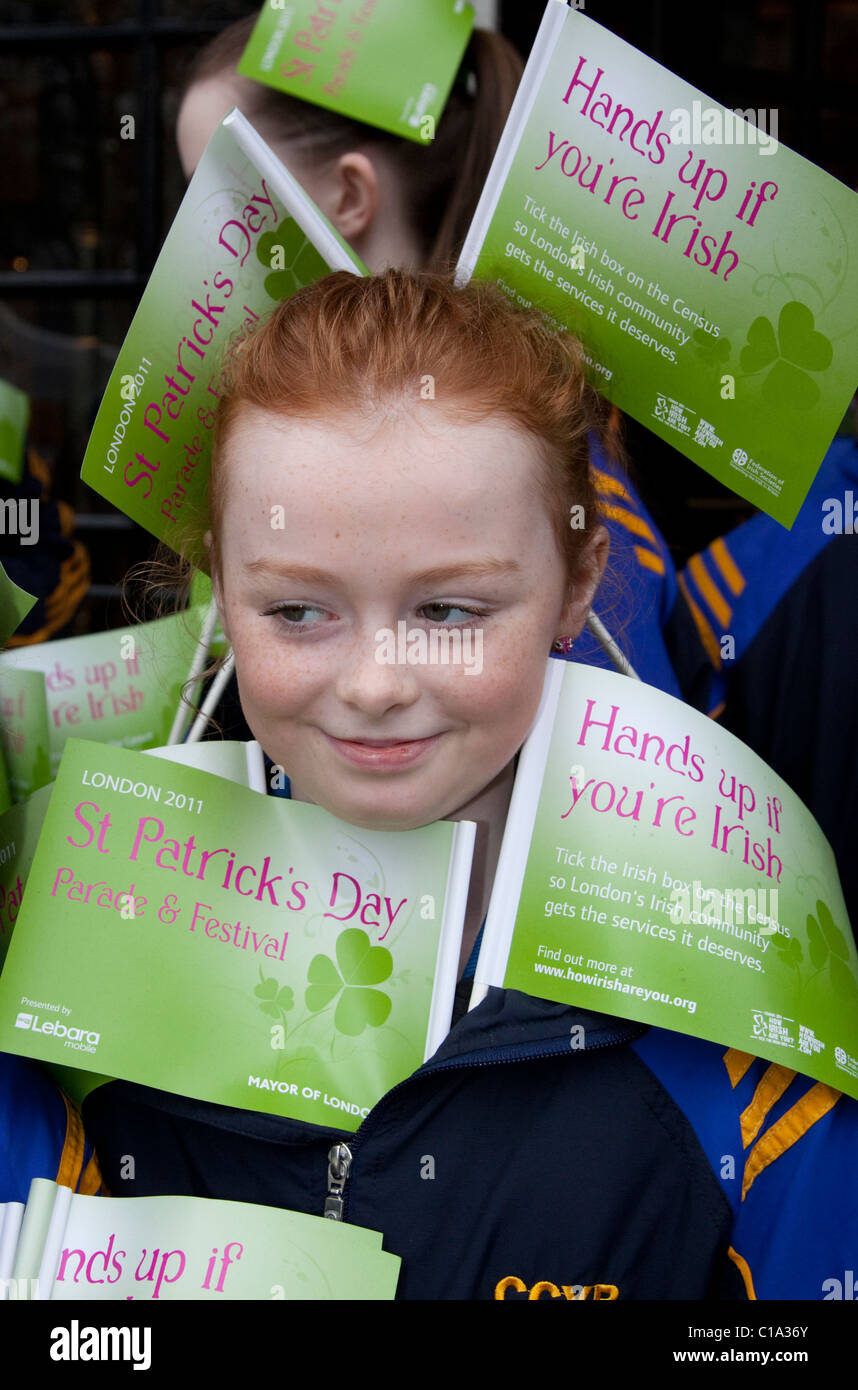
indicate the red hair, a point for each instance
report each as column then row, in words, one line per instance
column 348, row 343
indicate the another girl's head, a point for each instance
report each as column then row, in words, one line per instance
column 394, row 201
column 396, row 455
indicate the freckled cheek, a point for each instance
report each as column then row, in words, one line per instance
column 253, row 664
column 501, row 697
column 518, row 682
column 270, row 683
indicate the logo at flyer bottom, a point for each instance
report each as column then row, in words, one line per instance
column 80, row 1039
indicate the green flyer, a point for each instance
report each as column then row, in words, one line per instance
column 710, row 272
column 6, row 797
column 14, row 418
column 120, row 687
column 655, row 868
column 379, row 61
column 20, row 828
column 239, row 948
column 165, row 1249
column 15, row 604
column 245, row 237
column 24, row 729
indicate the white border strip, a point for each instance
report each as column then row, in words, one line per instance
column 450, row 941
column 528, row 90
column 515, row 848
column 298, row 203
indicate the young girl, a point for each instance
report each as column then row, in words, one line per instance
column 398, row 204
column 393, row 201
column 512, row 1163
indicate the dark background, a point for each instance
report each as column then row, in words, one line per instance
column 85, row 211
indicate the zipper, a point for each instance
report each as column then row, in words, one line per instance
column 339, row 1164
column 341, row 1155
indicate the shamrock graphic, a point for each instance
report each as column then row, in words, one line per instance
column 275, row 1001
column 713, row 351
column 796, row 346
column 827, row 944
column 789, row 949
column 360, row 966
column 301, row 265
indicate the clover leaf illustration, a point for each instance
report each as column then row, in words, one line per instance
column 713, row 351
column 361, row 966
column 788, row 948
column 275, row 1000
column 300, row 265
column 796, row 350
column 828, row 944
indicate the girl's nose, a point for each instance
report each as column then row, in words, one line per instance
column 374, row 679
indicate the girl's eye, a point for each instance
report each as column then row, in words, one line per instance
column 294, row 614
column 439, row 612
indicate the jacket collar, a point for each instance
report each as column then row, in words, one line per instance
column 514, row 1025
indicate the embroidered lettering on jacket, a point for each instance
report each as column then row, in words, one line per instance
column 545, row 1289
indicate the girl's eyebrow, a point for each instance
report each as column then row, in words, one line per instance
column 440, row 574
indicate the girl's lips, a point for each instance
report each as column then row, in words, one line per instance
column 384, row 755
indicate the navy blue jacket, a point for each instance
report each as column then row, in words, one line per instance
column 41, row 1135
column 514, row 1164
column 786, row 681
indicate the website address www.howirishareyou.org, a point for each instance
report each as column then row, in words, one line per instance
column 608, row 982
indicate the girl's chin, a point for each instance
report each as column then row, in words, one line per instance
column 383, row 809
column 381, row 816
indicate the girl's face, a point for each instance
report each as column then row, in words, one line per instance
column 336, row 529
column 204, row 107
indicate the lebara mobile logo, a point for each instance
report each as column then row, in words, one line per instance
column 81, row 1039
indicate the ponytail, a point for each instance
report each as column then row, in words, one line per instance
column 494, row 67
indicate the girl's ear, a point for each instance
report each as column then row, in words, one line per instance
column 355, row 196
column 586, row 581
column 217, row 591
